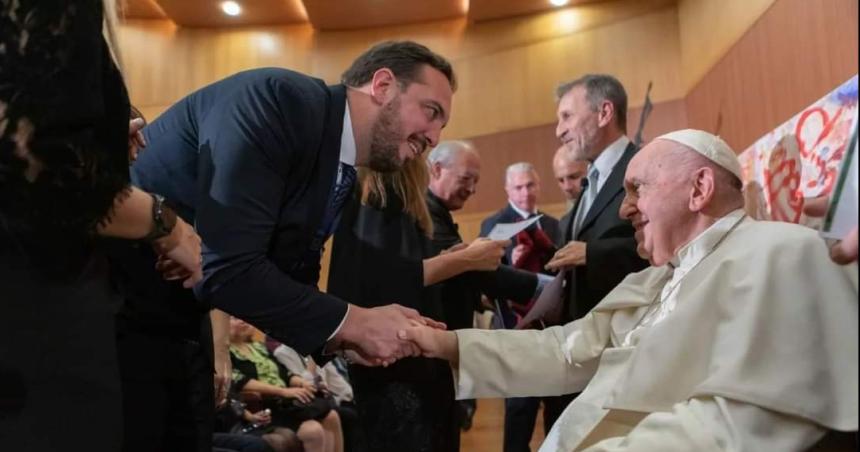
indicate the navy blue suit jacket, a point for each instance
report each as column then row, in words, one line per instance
column 251, row 160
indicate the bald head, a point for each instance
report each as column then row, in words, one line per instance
column 568, row 173
column 673, row 193
column 455, row 169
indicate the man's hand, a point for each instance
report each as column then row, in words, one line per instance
column 844, row 251
column 485, row 254
column 517, row 253
column 179, row 255
column 432, row 342
column 373, row 333
column 135, row 138
column 457, row 247
column 572, row 255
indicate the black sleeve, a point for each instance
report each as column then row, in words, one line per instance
column 508, row 283
column 611, row 259
column 243, row 372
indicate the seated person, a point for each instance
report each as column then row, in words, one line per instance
column 238, row 429
column 292, row 404
column 742, row 336
column 326, row 378
column 330, row 382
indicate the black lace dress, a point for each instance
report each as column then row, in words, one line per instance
column 63, row 159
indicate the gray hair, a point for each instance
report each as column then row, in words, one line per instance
column 519, row 167
column 598, row 88
column 446, row 151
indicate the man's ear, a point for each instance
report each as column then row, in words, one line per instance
column 383, row 86
column 435, row 170
column 605, row 113
column 702, row 190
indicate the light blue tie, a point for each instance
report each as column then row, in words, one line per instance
column 587, row 200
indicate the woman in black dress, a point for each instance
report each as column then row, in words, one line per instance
column 64, row 137
column 381, row 255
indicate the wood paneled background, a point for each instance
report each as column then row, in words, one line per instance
column 739, row 67
column 797, row 51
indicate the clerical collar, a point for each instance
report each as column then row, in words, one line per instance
column 347, row 139
column 521, row 212
column 695, row 250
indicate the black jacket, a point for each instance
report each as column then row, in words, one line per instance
column 610, row 246
column 461, row 295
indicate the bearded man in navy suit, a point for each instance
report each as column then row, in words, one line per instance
column 261, row 163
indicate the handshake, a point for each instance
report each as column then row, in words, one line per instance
column 380, row 336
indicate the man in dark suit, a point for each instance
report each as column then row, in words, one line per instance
column 261, row 163
column 599, row 249
column 522, row 185
column 569, row 174
column 455, row 169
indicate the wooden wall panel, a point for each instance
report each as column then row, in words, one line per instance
column 795, row 53
column 709, row 28
column 508, row 68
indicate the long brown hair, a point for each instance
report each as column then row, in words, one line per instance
column 409, row 184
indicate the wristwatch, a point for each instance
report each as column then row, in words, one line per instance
column 163, row 219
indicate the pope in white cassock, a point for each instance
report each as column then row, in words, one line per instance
column 742, row 336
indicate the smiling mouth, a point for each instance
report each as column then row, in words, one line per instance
column 417, row 146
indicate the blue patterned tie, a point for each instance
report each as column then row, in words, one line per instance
column 338, row 197
column 339, row 192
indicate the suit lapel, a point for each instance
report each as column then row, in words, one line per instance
column 509, row 215
column 611, row 188
column 568, row 221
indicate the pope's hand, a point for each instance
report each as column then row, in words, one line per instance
column 433, row 343
column 572, row 255
column 373, row 333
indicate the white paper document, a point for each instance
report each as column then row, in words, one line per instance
column 842, row 212
column 504, row 231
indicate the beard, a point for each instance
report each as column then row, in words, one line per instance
column 385, row 139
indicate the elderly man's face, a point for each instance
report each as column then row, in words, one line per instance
column 569, row 176
column 523, row 188
column 578, row 127
column 656, row 202
column 411, row 121
column 456, row 183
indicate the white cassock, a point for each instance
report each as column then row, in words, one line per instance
column 747, row 341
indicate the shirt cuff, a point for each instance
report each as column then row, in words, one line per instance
column 542, row 281
column 336, row 330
